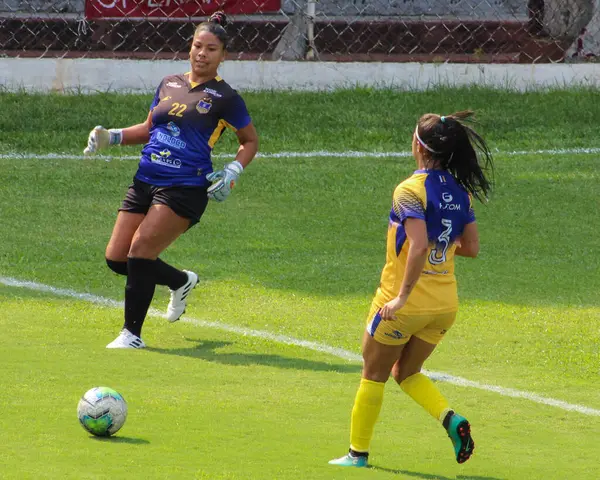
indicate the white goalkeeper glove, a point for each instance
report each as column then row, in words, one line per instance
column 100, row 138
column 224, row 180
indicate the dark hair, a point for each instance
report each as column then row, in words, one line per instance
column 457, row 148
column 215, row 25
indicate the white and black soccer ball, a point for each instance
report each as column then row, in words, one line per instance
column 102, row 411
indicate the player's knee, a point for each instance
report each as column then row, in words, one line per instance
column 142, row 247
column 116, row 252
column 375, row 373
column 402, row 372
column 117, row 266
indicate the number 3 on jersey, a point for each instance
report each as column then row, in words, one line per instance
column 438, row 254
column 177, row 109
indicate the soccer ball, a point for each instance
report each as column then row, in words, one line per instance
column 102, row 411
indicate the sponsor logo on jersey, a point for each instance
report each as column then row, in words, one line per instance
column 204, row 105
column 450, row 206
column 173, row 85
column 173, row 128
column 212, row 92
column 433, row 272
column 170, row 141
column 446, row 197
column 164, row 158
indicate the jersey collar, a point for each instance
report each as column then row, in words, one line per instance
column 193, row 85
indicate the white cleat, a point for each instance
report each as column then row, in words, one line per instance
column 177, row 303
column 126, row 339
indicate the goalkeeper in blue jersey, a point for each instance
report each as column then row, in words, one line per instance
column 175, row 177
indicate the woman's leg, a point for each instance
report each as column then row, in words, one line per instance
column 419, row 387
column 407, row 372
column 156, row 232
column 120, row 241
column 378, row 362
column 119, row 244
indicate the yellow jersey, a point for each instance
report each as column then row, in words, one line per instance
column 435, row 197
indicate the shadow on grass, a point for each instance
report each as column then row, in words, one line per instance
column 120, row 439
column 430, row 476
column 206, row 350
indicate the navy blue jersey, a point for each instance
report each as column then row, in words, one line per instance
column 187, row 121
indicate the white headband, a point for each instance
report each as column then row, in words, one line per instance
column 423, row 143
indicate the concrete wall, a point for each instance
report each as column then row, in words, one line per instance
column 90, row 75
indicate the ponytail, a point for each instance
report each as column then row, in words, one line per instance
column 456, row 147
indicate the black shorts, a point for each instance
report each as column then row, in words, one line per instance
column 186, row 201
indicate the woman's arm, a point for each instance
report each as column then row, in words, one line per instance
column 137, row 134
column 100, row 138
column 248, row 139
column 224, row 180
column 416, row 231
column 468, row 245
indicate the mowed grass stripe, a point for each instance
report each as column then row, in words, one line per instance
column 319, row 347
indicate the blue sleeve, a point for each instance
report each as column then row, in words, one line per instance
column 236, row 113
column 471, row 214
column 156, row 97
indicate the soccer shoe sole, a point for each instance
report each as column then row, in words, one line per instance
column 463, row 439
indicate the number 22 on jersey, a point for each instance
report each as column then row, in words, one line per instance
column 177, row 109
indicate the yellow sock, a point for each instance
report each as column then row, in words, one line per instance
column 367, row 405
column 423, row 391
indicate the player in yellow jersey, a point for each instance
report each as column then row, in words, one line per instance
column 430, row 222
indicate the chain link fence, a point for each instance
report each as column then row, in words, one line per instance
column 499, row 31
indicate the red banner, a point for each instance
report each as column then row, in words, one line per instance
column 174, row 8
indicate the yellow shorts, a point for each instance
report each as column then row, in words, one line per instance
column 430, row 328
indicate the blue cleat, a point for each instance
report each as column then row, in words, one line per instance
column 459, row 431
column 350, row 461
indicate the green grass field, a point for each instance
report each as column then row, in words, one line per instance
column 297, row 251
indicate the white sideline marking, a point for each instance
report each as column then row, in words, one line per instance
column 315, row 154
column 319, row 347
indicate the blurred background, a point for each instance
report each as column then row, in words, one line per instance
column 466, row 31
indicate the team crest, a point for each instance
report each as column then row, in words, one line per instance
column 204, row 105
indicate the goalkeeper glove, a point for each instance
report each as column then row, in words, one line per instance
column 100, row 138
column 224, row 181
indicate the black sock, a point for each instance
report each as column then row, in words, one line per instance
column 165, row 273
column 446, row 421
column 169, row 276
column 139, row 291
column 117, row 267
column 354, row 453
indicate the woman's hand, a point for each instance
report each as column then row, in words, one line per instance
column 388, row 311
